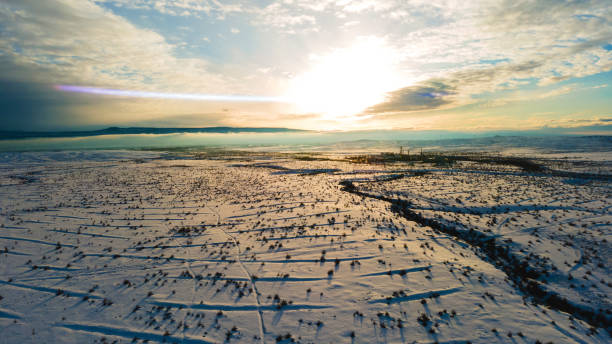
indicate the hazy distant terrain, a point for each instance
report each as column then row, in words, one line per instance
column 209, row 246
column 8, row 135
column 290, row 140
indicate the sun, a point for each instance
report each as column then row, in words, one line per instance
column 346, row 81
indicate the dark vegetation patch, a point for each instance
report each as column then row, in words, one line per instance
column 446, row 160
column 26, row 178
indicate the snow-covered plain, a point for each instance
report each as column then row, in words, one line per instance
column 127, row 247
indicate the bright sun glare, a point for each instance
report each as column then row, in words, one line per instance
column 346, row 81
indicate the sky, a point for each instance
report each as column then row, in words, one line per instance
column 306, row 64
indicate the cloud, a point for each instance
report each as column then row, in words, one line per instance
column 450, row 52
column 455, row 45
column 572, row 122
column 432, row 95
column 459, row 88
column 36, row 106
column 454, row 90
column 284, row 18
column 522, row 96
column 181, row 7
column 77, row 42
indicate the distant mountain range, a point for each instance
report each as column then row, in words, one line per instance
column 9, row 135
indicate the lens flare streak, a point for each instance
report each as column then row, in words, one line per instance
column 162, row 95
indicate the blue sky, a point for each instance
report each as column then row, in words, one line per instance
column 331, row 64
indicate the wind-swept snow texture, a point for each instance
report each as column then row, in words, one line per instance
column 117, row 246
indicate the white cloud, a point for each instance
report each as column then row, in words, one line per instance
column 284, row 18
column 181, row 7
column 516, row 36
column 348, row 24
column 73, row 41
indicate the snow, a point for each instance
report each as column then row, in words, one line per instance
column 118, row 245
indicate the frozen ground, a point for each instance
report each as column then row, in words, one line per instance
column 123, row 247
